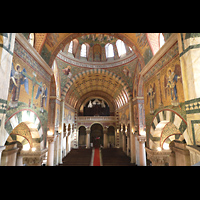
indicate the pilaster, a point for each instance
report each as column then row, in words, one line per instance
column 189, row 51
column 7, row 41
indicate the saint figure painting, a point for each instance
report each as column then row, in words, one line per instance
column 42, row 92
column 17, row 78
column 170, row 83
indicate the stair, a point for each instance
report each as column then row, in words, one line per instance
column 110, row 157
column 115, row 157
column 77, row 157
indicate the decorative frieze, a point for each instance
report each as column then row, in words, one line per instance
column 192, row 106
column 3, row 106
column 93, row 64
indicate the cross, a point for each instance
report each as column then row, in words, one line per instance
column 33, row 79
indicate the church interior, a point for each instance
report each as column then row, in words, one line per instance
column 99, row 99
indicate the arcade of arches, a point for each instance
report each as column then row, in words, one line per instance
column 137, row 92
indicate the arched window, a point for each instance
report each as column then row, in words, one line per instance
column 109, row 50
column 70, row 47
column 83, row 50
column 120, row 47
column 161, row 40
column 31, row 39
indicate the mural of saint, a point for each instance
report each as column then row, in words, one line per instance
column 42, row 92
column 151, row 94
column 17, row 78
column 67, row 71
column 170, row 83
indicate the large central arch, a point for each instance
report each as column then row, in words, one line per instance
column 96, row 79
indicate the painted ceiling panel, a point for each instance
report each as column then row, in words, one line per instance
column 94, row 82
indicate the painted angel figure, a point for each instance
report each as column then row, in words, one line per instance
column 67, row 71
column 17, row 78
column 170, row 82
column 42, row 92
column 151, row 95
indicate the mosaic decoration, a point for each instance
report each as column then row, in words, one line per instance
column 23, row 130
column 163, row 91
column 97, row 38
column 172, row 53
column 169, row 130
column 192, row 106
column 28, row 96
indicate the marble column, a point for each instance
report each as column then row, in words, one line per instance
column 142, row 151
column 132, row 132
column 60, row 151
column 56, row 149
column 117, row 138
column 121, row 137
column 68, row 140
column 50, row 157
column 105, row 138
column 87, row 138
column 128, row 144
column 124, row 142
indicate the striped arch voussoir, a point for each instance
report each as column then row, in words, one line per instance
column 168, row 116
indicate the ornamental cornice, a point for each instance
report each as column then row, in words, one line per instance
column 96, row 65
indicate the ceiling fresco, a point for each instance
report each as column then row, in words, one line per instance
column 97, row 38
column 118, row 82
column 125, row 72
column 52, row 43
column 95, row 81
column 49, row 44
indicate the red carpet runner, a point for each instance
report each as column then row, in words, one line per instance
column 96, row 161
